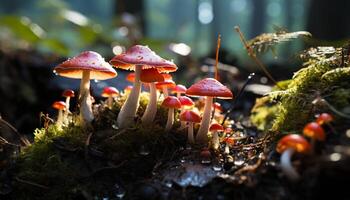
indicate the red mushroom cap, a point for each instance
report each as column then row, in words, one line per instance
column 324, row 118
column 209, row 87
column 217, row 106
column 142, row 55
column 68, row 93
column 295, row 141
column 315, row 131
column 168, row 83
column 130, row 77
column 151, row 75
column 110, row 91
column 216, row 127
column 190, row 116
column 229, row 140
column 171, row 102
column 59, row 105
column 167, row 77
column 128, row 88
column 86, row 61
column 186, row 101
column 179, row 89
column 228, row 130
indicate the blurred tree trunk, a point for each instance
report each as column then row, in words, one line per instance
column 329, row 20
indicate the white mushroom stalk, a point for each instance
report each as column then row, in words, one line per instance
column 86, row 114
column 190, row 136
column 286, row 165
column 204, row 126
column 128, row 111
column 215, row 139
column 170, row 121
column 60, row 118
column 151, row 109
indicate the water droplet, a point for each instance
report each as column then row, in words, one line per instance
column 217, row 167
column 114, row 126
column 168, row 183
column 96, row 81
column 119, row 191
column 144, row 151
column 183, row 159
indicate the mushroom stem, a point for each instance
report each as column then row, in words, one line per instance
column 110, row 101
column 227, row 149
column 178, row 94
column 86, row 114
column 286, row 165
column 204, row 127
column 128, row 111
column 165, row 92
column 215, row 140
column 170, row 120
column 151, row 109
column 190, row 137
column 65, row 113
column 59, row 121
column 183, row 123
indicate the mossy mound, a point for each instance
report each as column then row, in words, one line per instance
column 68, row 162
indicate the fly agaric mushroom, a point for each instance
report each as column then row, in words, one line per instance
column 137, row 58
column 60, row 106
column 315, row 132
column 68, row 94
column 324, row 118
column 171, row 103
column 190, row 117
column 178, row 90
column 151, row 76
column 87, row 65
column 185, row 102
column 110, row 93
column 214, row 129
column 287, row 146
column 209, row 88
column 165, row 85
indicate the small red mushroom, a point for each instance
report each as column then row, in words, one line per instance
column 214, row 129
column 68, row 94
column 186, row 102
column 110, row 93
column 190, row 117
column 315, row 132
column 127, row 89
column 60, row 106
column 324, row 118
column 287, row 146
column 178, row 90
column 165, row 85
column 171, row 103
column 229, row 141
column 130, row 77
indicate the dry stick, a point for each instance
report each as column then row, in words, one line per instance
column 23, row 140
column 31, row 183
column 216, row 76
column 253, row 56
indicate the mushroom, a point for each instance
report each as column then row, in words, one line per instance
column 229, row 141
column 165, row 85
column 110, row 93
column 315, row 132
column 209, row 88
column 137, row 58
column 60, row 106
column 178, row 90
column 151, row 76
column 68, row 94
column 87, row 65
column 130, row 77
column 128, row 89
column 185, row 102
column 190, row 117
column 214, row 129
column 324, row 118
column 171, row 103
column 287, row 146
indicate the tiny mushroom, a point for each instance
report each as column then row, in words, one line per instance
column 127, row 89
column 209, row 88
column 130, row 77
column 287, row 146
column 136, row 58
column 165, row 85
column 178, row 90
column 60, row 106
column 324, row 118
column 214, row 129
column 87, row 65
column 190, row 117
column 68, row 94
column 229, row 141
column 151, row 76
column 110, row 93
column 315, row 132
column 171, row 102
column 185, row 103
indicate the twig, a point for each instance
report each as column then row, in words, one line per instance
column 217, row 57
column 31, row 183
column 250, row 168
column 7, row 142
column 22, row 139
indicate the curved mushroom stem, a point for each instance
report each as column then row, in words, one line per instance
column 215, row 140
column 66, row 112
column 86, row 114
column 110, row 101
column 59, row 121
column 190, row 137
column 204, row 127
column 151, row 109
column 165, row 91
column 286, row 165
column 170, row 120
column 128, row 111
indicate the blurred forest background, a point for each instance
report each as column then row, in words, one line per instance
column 36, row 35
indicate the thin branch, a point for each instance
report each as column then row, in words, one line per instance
column 217, row 57
column 31, row 183
column 23, row 140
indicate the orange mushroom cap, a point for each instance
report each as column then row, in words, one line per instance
column 186, row 101
column 128, row 88
column 209, row 87
column 171, row 102
column 110, row 91
column 179, row 89
column 142, row 55
column 295, row 141
column 217, row 106
column 190, row 116
column 229, row 140
column 168, row 83
column 151, row 75
column 324, row 118
column 216, row 127
column 86, row 61
column 68, row 93
column 130, row 77
column 59, row 105
column 315, row 131
column 167, row 77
